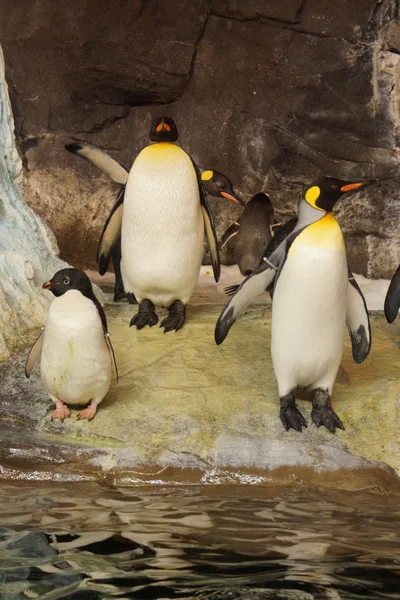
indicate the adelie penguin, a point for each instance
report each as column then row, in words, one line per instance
column 75, row 347
column 314, row 296
column 162, row 216
column 392, row 300
column 250, row 234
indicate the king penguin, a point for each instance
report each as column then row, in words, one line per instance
column 250, row 234
column 314, row 295
column 392, row 300
column 75, row 346
column 211, row 182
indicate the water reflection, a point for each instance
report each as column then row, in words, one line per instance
column 86, row 541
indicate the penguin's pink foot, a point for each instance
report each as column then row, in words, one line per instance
column 89, row 412
column 61, row 412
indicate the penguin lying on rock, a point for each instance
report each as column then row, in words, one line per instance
column 315, row 295
column 392, row 300
column 209, row 182
column 250, row 233
column 75, row 346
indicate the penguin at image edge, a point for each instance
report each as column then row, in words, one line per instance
column 315, row 295
column 392, row 300
column 75, row 346
column 213, row 182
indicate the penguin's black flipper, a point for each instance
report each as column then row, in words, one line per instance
column 100, row 159
column 110, row 234
column 229, row 234
column 116, row 255
column 211, row 235
column 252, row 286
column 112, row 353
column 392, row 300
column 357, row 320
column 103, row 319
column 34, row 354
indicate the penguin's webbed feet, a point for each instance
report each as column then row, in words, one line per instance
column 290, row 415
column 89, row 412
column 62, row 411
column 322, row 412
column 176, row 317
column 145, row 316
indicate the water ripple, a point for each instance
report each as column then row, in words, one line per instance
column 82, row 541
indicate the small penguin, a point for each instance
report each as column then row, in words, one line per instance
column 392, row 300
column 315, row 294
column 75, row 346
column 213, row 183
column 251, row 233
column 161, row 215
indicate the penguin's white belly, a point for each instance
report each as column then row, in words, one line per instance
column 75, row 364
column 308, row 317
column 162, row 226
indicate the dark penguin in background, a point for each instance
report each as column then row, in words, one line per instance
column 250, row 234
column 75, row 346
column 392, row 300
column 315, row 296
column 213, row 183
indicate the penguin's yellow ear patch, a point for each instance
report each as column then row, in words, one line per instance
column 207, row 175
column 312, row 195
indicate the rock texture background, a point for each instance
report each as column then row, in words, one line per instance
column 28, row 249
column 272, row 93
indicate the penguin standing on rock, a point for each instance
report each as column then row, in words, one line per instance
column 212, row 183
column 75, row 347
column 315, row 295
column 161, row 215
column 250, row 234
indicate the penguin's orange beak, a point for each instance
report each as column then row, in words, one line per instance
column 351, row 186
column 47, row 285
column 233, row 199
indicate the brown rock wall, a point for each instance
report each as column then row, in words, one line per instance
column 271, row 93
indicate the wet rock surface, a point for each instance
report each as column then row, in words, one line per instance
column 187, row 411
column 271, row 93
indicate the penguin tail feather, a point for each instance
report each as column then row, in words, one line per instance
column 231, row 289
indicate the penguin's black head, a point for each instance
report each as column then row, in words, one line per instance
column 163, row 129
column 324, row 193
column 217, row 184
column 69, row 279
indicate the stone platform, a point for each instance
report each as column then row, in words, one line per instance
column 188, row 411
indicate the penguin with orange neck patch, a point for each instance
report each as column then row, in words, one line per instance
column 314, row 296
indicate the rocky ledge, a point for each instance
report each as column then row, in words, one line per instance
column 186, row 411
